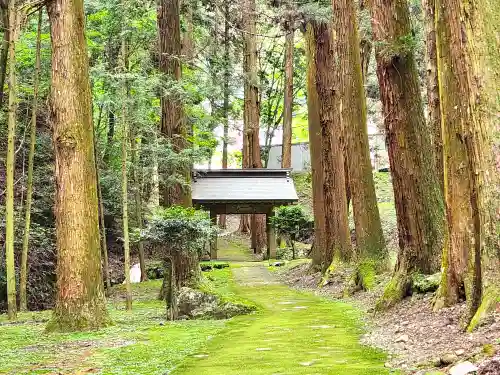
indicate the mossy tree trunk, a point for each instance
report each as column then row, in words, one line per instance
column 4, row 54
column 11, row 162
column 252, row 113
column 80, row 302
column 136, row 172
column 433, row 102
column 462, row 73
column 23, row 303
column 172, row 124
column 319, row 245
column 418, row 200
column 338, row 242
column 351, row 106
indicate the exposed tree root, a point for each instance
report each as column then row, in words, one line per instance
column 397, row 289
column 491, row 300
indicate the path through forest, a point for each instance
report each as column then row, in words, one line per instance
column 293, row 333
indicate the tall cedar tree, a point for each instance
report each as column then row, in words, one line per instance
column 23, row 303
column 419, row 205
column 225, row 105
column 332, row 144
column 351, row 105
column 286, row 155
column 251, row 117
column 11, row 162
column 320, row 236
column 462, row 74
column 187, row 270
column 172, row 124
column 433, row 102
column 80, row 302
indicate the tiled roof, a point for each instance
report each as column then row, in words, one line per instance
column 243, row 185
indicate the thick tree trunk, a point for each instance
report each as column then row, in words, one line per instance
column 419, row 205
column 154, row 196
column 80, row 302
column 332, row 145
column 172, row 125
column 462, row 75
column 433, row 102
column 351, row 105
column 31, row 157
column 10, row 163
column 319, row 246
column 286, row 156
column 252, row 111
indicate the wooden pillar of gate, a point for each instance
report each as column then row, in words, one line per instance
column 213, row 242
column 271, row 239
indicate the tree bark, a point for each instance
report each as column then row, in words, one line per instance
column 351, row 104
column 332, row 145
column 286, row 156
column 172, row 122
column 433, row 101
column 419, row 206
column 31, row 157
column 225, row 105
column 4, row 54
column 252, row 111
column 319, row 246
column 10, row 163
column 80, row 302
column 462, row 82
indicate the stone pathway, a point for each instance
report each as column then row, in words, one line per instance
column 293, row 333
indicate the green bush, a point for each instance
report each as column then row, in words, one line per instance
column 292, row 223
column 179, row 229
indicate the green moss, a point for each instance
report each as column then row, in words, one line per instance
column 489, row 350
column 366, row 274
column 490, row 300
column 394, row 292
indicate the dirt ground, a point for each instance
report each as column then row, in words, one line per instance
column 417, row 338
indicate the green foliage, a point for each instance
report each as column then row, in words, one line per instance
column 291, row 221
column 399, row 48
column 179, row 229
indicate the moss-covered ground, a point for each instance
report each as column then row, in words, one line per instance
column 289, row 333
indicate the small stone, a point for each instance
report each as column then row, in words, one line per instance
column 402, row 338
column 463, row 368
column 387, row 365
column 162, row 323
column 263, row 349
column 448, row 359
column 460, row 352
column 405, row 323
column 309, row 363
column 200, row 355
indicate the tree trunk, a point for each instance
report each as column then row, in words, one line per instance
column 332, row 145
column 125, row 145
column 138, row 201
column 10, row 163
column 433, row 102
column 252, row 111
column 286, row 156
column 225, row 108
column 102, row 224
column 80, row 302
column 172, row 122
column 351, row 104
column 463, row 76
column 419, row 206
column 4, row 54
column 154, row 196
column 29, row 190
column 319, row 246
